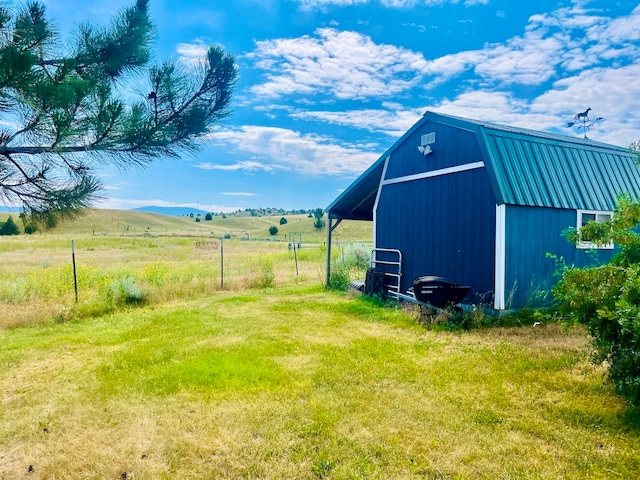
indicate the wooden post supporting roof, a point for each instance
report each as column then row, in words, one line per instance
column 329, row 232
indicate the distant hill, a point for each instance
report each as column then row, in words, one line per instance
column 136, row 223
column 171, row 211
column 14, row 210
column 248, row 212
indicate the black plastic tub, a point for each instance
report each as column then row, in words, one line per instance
column 438, row 291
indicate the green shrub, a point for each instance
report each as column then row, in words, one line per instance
column 340, row 277
column 9, row 227
column 266, row 269
column 124, row 291
column 352, row 266
column 358, row 257
column 607, row 298
column 273, row 230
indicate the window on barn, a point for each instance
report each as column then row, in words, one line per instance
column 586, row 216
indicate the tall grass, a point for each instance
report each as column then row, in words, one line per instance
column 39, row 272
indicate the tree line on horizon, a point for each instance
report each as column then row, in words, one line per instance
column 259, row 212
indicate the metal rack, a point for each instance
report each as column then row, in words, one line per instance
column 393, row 272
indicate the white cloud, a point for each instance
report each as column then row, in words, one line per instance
column 596, row 57
column 321, row 4
column 312, row 4
column 565, row 39
column 114, row 186
column 530, row 60
column 347, row 65
column 617, row 31
column 247, row 166
column 289, row 150
column 192, row 53
column 392, row 120
column 613, row 93
column 498, row 107
column 453, row 64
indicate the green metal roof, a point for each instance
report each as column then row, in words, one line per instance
column 546, row 170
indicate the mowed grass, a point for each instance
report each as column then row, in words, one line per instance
column 298, row 382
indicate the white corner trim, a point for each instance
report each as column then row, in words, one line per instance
column 501, row 257
column 432, row 173
column 375, row 204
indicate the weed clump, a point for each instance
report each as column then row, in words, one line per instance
column 262, row 273
column 352, row 264
column 124, row 291
column 266, row 269
column 476, row 317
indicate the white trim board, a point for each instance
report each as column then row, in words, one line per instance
column 432, row 173
column 501, row 257
column 375, row 204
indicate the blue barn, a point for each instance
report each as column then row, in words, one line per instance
column 483, row 204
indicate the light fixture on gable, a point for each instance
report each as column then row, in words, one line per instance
column 426, row 141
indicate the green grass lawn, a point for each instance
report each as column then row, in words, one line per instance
column 298, row 382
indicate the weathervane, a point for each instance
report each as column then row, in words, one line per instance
column 583, row 121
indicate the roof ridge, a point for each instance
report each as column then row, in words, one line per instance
column 534, row 133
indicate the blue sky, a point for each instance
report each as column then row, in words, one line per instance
column 326, row 86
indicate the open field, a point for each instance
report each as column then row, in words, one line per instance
column 161, row 373
column 159, row 255
column 132, row 223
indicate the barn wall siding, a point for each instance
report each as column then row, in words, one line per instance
column 443, row 226
column 532, row 233
column 453, row 146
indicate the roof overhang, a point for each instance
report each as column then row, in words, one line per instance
column 357, row 201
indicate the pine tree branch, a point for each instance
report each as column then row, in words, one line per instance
column 29, row 179
column 71, row 112
column 30, row 126
column 204, row 88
